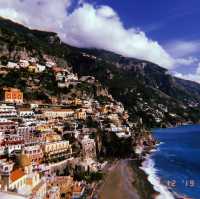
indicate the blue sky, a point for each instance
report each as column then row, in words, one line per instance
column 164, row 21
column 161, row 20
column 165, row 32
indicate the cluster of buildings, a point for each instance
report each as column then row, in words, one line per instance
column 30, row 64
column 38, row 142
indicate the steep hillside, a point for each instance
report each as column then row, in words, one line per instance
column 147, row 90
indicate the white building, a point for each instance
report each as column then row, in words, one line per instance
column 60, row 76
column 50, row 64
column 7, row 111
column 56, row 113
column 41, row 68
column 63, row 85
column 22, row 130
column 5, row 166
column 23, row 63
column 114, row 128
column 32, row 60
column 88, row 147
column 71, row 77
column 22, row 181
column 13, row 143
column 34, row 106
column 2, row 146
column 57, row 149
column 12, row 65
column 25, row 112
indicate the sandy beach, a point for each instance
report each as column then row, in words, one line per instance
column 118, row 182
column 124, row 180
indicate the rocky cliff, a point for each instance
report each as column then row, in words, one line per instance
column 148, row 91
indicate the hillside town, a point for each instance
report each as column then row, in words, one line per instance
column 51, row 149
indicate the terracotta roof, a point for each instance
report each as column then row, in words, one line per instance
column 60, row 110
column 13, row 142
column 77, row 188
column 24, row 109
column 57, row 69
column 16, row 174
column 9, row 122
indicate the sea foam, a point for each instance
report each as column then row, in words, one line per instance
column 148, row 166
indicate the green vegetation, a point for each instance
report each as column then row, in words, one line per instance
column 102, row 99
column 89, row 177
column 140, row 85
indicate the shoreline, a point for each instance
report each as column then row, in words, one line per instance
column 148, row 168
column 125, row 179
column 133, row 178
column 142, row 184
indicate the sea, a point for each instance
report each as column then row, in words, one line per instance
column 174, row 166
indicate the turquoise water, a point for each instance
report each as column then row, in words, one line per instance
column 177, row 160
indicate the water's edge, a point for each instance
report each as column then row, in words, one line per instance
column 149, row 169
column 175, row 159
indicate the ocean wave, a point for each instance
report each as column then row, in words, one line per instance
column 160, row 143
column 153, row 150
column 148, row 166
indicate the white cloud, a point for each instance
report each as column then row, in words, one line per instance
column 101, row 28
column 198, row 69
column 185, row 53
column 190, row 76
column 183, row 48
column 40, row 14
column 186, row 61
column 86, row 26
column 106, row 12
column 97, row 27
column 11, row 14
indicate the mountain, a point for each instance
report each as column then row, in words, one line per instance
column 148, row 91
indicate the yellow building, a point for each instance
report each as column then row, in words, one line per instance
column 58, row 113
column 80, row 114
column 52, row 137
column 33, row 68
column 65, row 185
column 45, row 127
column 104, row 109
column 77, row 101
column 57, row 150
column 39, row 189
